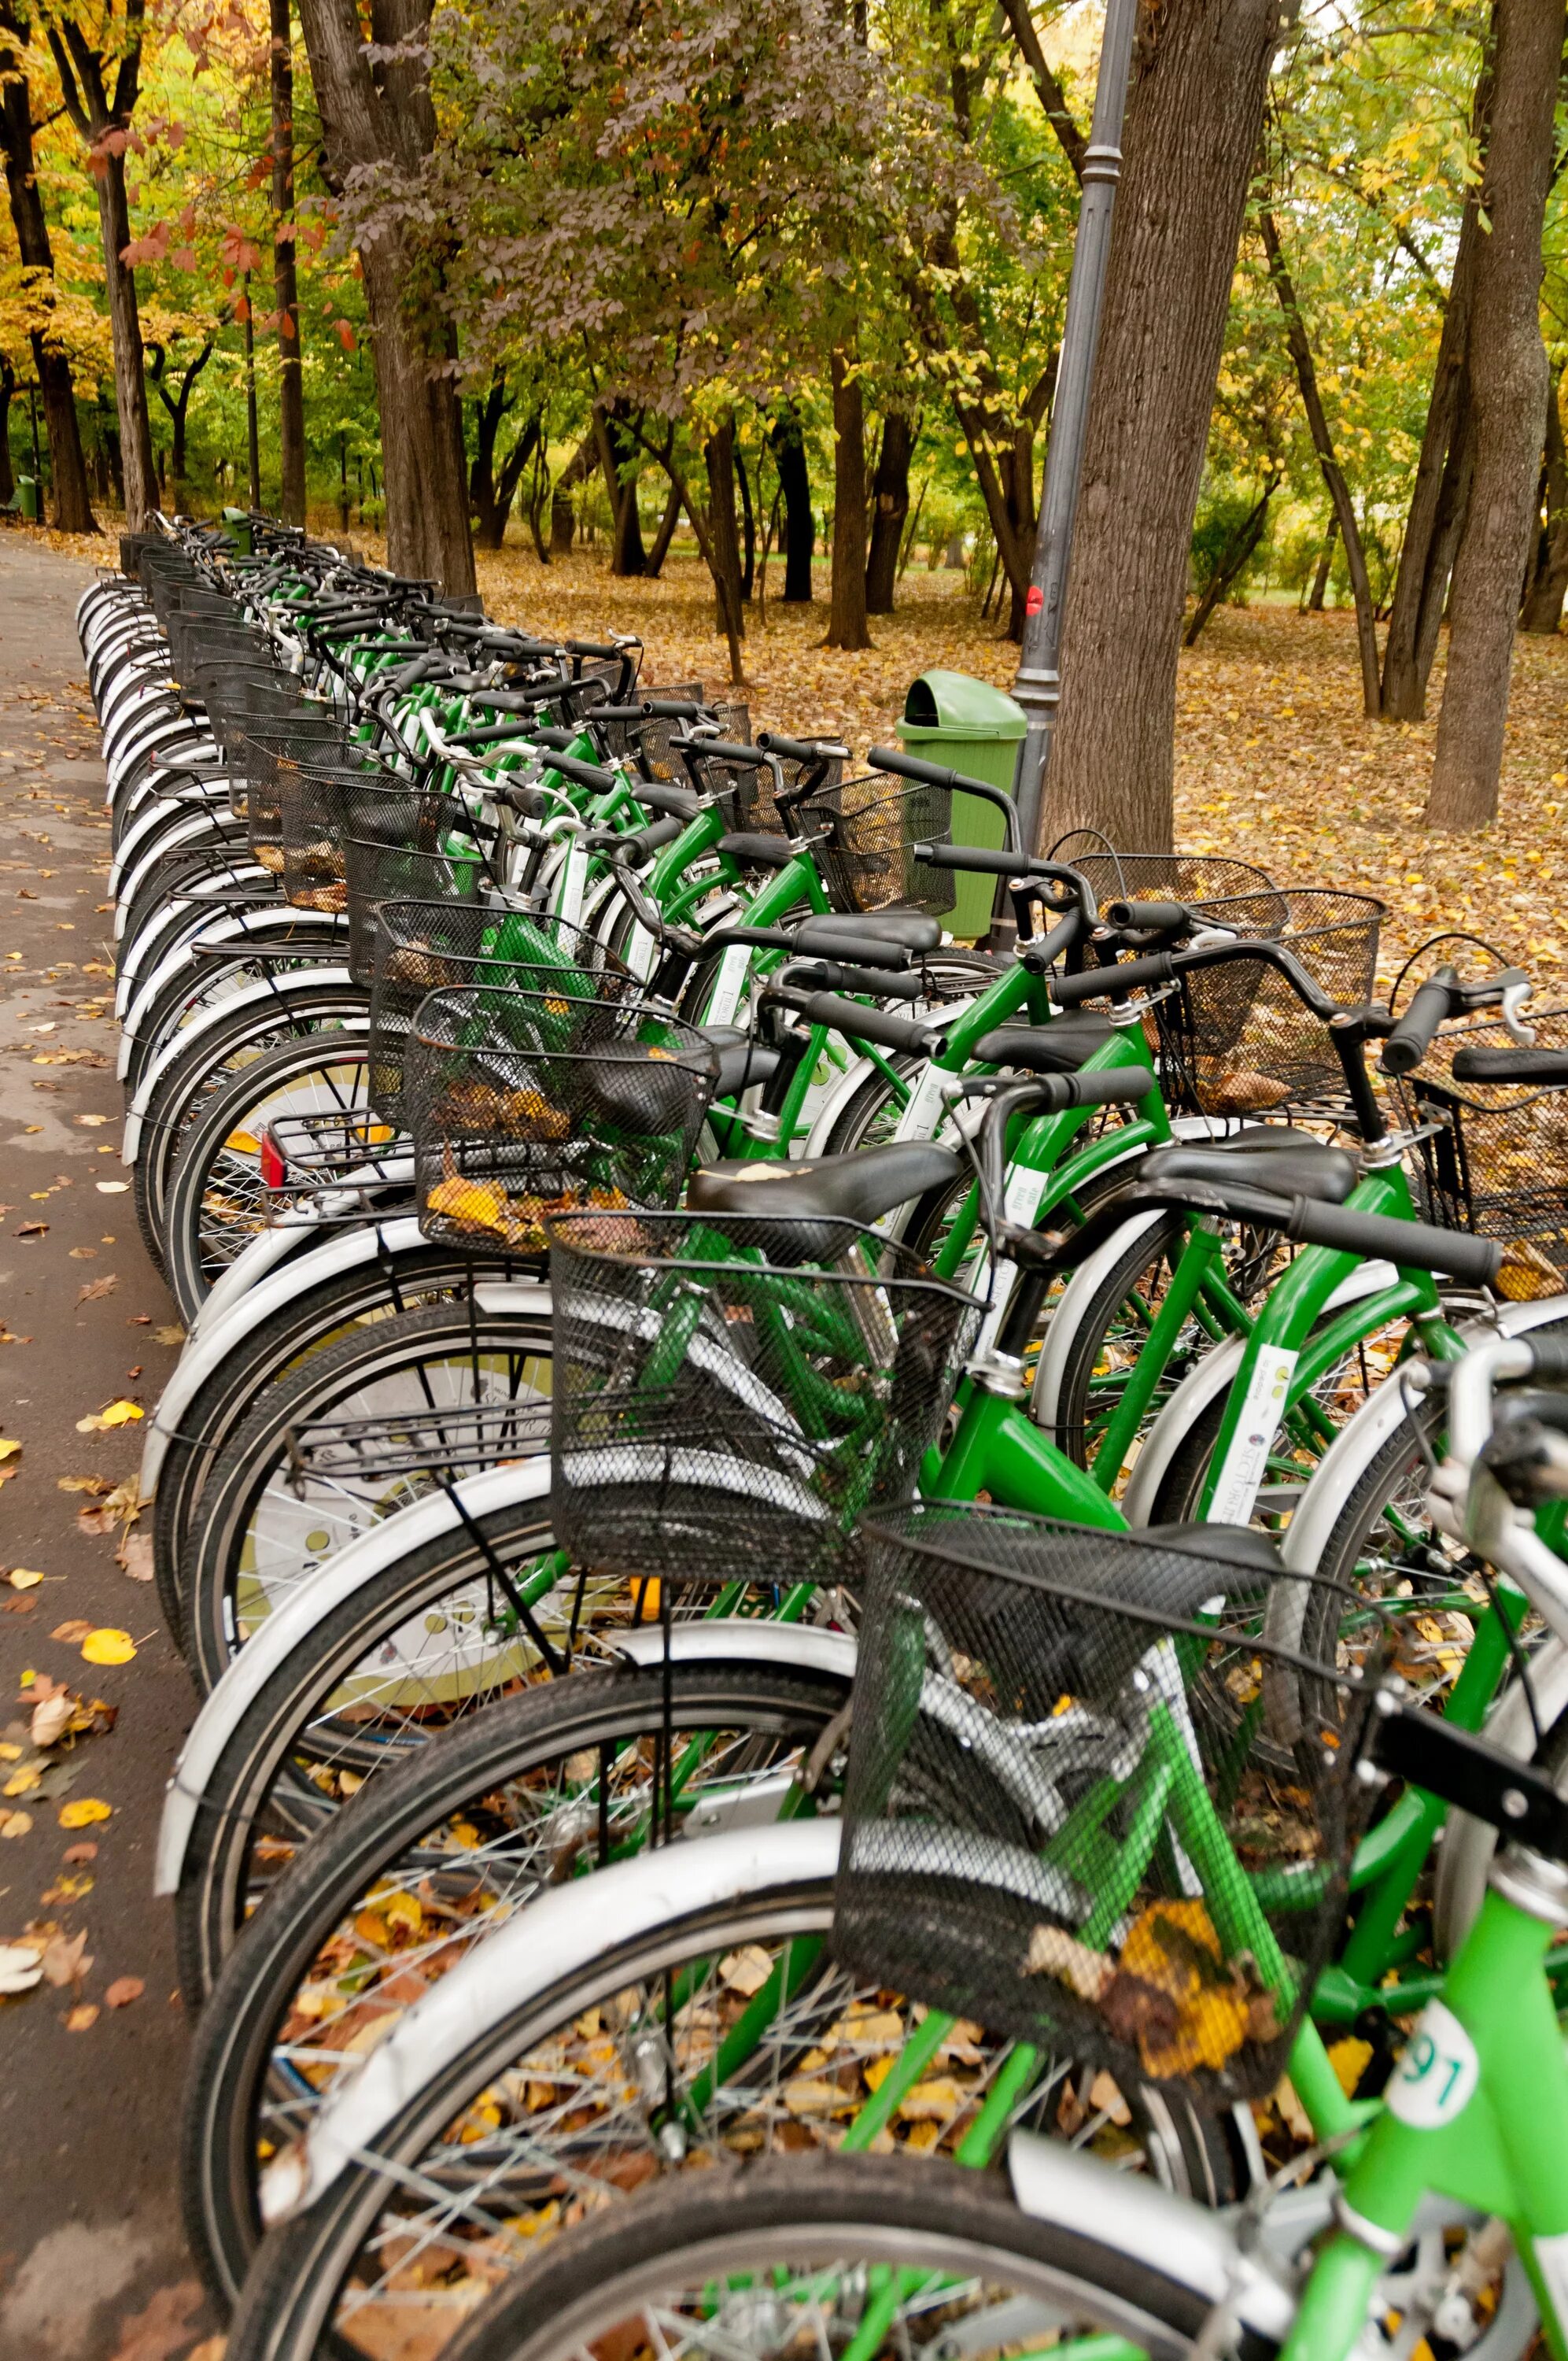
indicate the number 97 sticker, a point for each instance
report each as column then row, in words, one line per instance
column 1436, row 2077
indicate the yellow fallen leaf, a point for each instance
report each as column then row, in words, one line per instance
column 21, row 1783
column 9, row 1447
column 14, row 1824
column 24, row 1577
column 119, row 1413
column 108, row 1646
column 1350, row 2059
column 243, row 1144
column 82, row 1812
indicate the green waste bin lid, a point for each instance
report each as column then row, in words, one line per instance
column 968, row 707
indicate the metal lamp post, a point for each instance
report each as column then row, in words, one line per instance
column 1038, row 684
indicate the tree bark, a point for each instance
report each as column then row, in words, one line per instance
column 562, row 516
column 1547, row 585
column 176, row 404
column 383, row 120
column 664, row 536
column 799, row 525
column 124, row 324
column 617, row 450
column 1323, row 444
column 1193, row 117
column 1441, row 487
column 725, row 563
column 1509, row 388
column 748, row 526
column 7, row 388
column 491, row 491
column 1325, row 563
column 847, row 613
column 890, row 506
column 285, row 274
column 68, row 465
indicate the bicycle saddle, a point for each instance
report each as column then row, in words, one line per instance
column 834, row 934
column 1058, row 1047
column 1284, row 1161
column 809, row 1201
column 756, row 851
column 1542, row 1066
column 742, row 1060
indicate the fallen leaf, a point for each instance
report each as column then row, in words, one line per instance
column 82, row 2018
column 66, row 1959
column 108, row 1646
column 24, row 1577
column 118, row 1414
column 84, row 1812
column 9, row 1447
column 161, row 2331
column 77, row 1628
column 123, row 1991
column 78, row 1852
column 83, row 1484
column 83, row 1253
column 33, row 1230
column 168, row 1334
column 14, row 1824
column 96, row 1289
column 49, row 1719
column 134, row 1554
column 19, row 1969
column 92, row 1120
column 111, row 1188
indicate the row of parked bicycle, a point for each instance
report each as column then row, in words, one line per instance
column 844, row 1589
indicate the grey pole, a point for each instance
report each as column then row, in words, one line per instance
column 1038, row 685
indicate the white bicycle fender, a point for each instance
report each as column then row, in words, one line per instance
column 532, row 1951
column 360, row 1563
column 251, row 995
column 747, row 1639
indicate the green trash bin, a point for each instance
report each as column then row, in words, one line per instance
column 28, row 498
column 971, row 726
column 237, row 522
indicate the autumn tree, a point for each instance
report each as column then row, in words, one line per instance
column 285, row 273
column 52, row 366
column 99, row 67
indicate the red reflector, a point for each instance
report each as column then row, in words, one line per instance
column 274, row 1163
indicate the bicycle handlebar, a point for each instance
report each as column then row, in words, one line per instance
column 802, row 750
column 932, row 775
column 863, row 1024
column 1163, row 967
column 1413, row 1034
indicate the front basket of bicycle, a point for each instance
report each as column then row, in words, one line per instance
column 1496, row 1158
column 527, row 1103
column 732, row 1393
column 1087, row 1805
column 406, row 844
column 868, row 829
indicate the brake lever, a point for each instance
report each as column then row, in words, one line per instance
column 1515, row 996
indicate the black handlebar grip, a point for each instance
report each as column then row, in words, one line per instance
column 1415, row 1245
column 1549, row 1352
column 827, row 976
column 1164, row 918
column 585, row 774
column 721, row 748
column 863, row 1024
column 673, row 708
column 591, row 648
column 1095, row 982
column 548, row 734
column 1114, row 1085
column 801, row 749
column 1413, row 1034
column 985, row 862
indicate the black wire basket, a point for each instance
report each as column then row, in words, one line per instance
column 1495, row 1162
column 243, row 693
column 319, row 802
column 522, row 1105
column 1060, row 1818
column 321, row 736
column 408, row 844
column 731, row 1394
column 1191, row 877
column 870, row 826
column 442, row 945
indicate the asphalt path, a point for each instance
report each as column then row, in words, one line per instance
column 92, row 2264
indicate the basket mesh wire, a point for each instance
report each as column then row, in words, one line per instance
column 1058, row 1818
column 1497, row 1165
column 440, row 945
column 1192, row 877
column 404, row 843
column 729, row 1402
column 522, row 1105
column 317, row 801
column 870, row 826
column 320, row 735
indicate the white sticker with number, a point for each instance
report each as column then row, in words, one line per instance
column 1025, row 1190
column 1269, row 1390
column 1437, row 2075
column 733, row 970
column 923, row 1109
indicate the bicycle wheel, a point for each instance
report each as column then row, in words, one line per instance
column 491, row 1813
column 648, row 2056
column 349, row 1437
column 216, row 1201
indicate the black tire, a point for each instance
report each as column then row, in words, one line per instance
column 235, row 2090
column 216, row 1201
column 258, row 1772
column 234, row 1041
column 433, row 1344
column 783, row 2212
column 306, row 1325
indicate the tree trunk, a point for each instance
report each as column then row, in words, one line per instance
column 1441, row 487
column 618, row 460
column 725, row 563
column 1322, row 444
column 1542, row 610
column 1509, row 388
column 7, row 388
column 847, row 614
column 799, row 525
column 125, row 326
column 562, row 516
column 68, row 465
column 1193, row 117
column 748, row 527
column 382, row 121
column 664, row 536
column 1325, row 563
column 285, row 275
column 1234, row 556
column 890, row 506
column 488, row 416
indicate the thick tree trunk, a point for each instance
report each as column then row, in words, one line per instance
column 890, row 506
column 725, row 561
column 68, row 465
column 847, row 614
column 799, row 524
column 1441, row 487
column 1193, row 116
column 1548, row 584
column 617, row 461
column 664, row 536
column 1325, row 564
column 1509, row 389
column 384, row 120
column 1334, row 476
column 124, row 326
column 748, row 526
column 285, row 275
